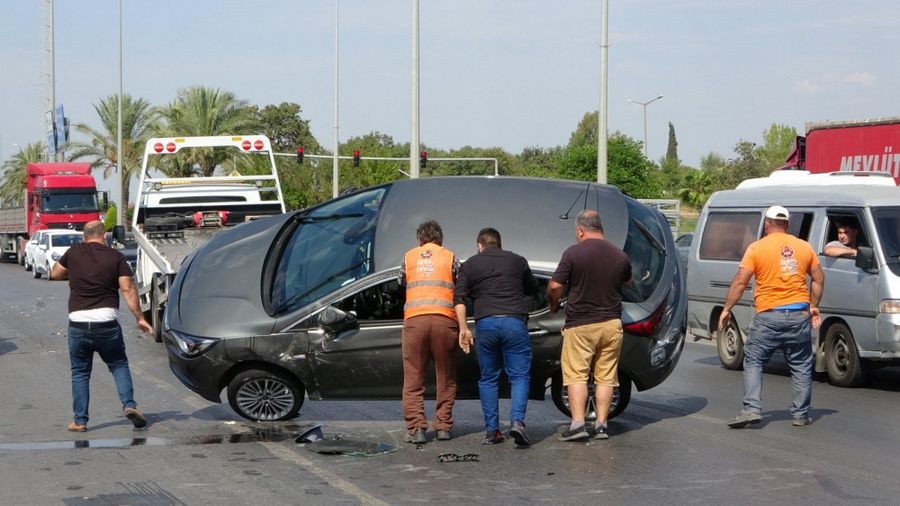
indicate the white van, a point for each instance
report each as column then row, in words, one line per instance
column 860, row 304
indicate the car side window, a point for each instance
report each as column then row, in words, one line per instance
column 726, row 236
column 381, row 302
column 643, row 246
column 539, row 300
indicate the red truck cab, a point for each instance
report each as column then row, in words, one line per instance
column 60, row 195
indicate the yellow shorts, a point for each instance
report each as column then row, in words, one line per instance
column 595, row 345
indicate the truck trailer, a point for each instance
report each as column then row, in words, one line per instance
column 57, row 196
column 849, row 146
column 174, row 216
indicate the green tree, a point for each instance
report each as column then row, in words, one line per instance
column 138, row 120
column 777, row 143
column 585, row 133
column 15, row 174
column 201, row 111
column 696, row 188
column 672, row 149
column 633, row 174
column 537, row 162
column 109, row 221
column 746, row 165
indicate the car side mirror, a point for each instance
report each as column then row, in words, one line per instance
column 338, row 324
column 865, row 259
column 44, row 247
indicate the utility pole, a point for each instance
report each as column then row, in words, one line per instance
column 122, row 205
column 335, row 173
column 414, row 137
column 602, row 153
column 49, row 63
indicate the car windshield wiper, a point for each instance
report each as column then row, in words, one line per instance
column 329, row 217
column 322, row 283
column 656, row 244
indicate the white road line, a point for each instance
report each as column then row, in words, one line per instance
column 343, row 485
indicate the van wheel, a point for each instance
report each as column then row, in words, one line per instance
column 621, row 397
column 842, row 359
column 731, row 347
column 265, row 396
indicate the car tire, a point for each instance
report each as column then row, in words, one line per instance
column 27, row 264
column 20, row 257
column 620, row 400
column 156, row 314
column 47, row 275
column 730, row 346
column 842, row 362
column 265, row 396
column 34, row 272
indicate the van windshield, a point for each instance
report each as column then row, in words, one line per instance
column 887, row 224
column 331, row 246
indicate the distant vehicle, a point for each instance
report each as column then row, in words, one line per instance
column 309, row 303
column 50, row 248
column 860, row 306
column 683, row 243
column 849, row 146
column 175, row 216
column 57, row 196
column 30, row 246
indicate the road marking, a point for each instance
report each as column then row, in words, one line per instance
column 343, row 485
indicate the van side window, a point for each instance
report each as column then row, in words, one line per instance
column 800, row 224
column 727, row 235
column 838, row 220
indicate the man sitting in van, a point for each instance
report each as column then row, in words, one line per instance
column 845, row 245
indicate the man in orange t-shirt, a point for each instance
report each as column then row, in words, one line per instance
column 785, row 312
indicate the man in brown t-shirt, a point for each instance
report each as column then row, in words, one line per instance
column 96, row 274
column 595, row 271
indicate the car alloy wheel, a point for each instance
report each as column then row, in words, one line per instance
column 260, row 395
column 620, row 398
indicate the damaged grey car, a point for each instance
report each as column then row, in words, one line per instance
column 308, row 304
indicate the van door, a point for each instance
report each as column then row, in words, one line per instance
column 850, row 294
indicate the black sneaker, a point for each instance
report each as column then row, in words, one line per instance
column 600, row 432
column 493, row 437
column 417, row 437
column 579, row 434
column 519, row 435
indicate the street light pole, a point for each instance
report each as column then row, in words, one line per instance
column 644, row 106
column 602, row 147
column 335, row 174
column 414, row 134
column 120, row 209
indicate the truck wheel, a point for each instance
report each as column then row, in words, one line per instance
column 842, row 359
column 156, row 315
column 620, row 400
column 730, row 346
column 265, row 396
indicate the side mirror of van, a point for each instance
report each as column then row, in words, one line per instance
column 338, row 324
column 865, row 259
column 118, row 233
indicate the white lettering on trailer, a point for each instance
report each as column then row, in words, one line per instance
column 887, row 162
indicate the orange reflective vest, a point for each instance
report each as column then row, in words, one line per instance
column 429, row 281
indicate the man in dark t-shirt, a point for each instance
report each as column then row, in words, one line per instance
column 96, row 274
column 595, row 271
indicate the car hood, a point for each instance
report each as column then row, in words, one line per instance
column 214, row 281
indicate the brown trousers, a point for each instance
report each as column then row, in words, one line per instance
column 426, row 337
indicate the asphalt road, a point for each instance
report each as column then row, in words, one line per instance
column 671, row 446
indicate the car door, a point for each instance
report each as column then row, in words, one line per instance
column 366, row 363
column 41, row 252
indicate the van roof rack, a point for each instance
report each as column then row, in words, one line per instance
column 805, row 178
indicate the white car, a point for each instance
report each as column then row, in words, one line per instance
column 30, row 246
column 50, row 248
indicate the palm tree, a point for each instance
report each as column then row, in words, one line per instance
column 138, row 119
column 15, row 176
column 200, row 111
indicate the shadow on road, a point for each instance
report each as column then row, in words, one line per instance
column 7, row 345
column 643, row 412
column 784, row 415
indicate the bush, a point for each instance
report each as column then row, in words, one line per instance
column 110, row 221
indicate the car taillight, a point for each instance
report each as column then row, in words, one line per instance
column 647, row 326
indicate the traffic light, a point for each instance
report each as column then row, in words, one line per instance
column 300, row 156
column 423, row 159
column 356, row 158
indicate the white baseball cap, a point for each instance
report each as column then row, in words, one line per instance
column 777, row 213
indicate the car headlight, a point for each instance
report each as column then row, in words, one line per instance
column 192, row 346
column 55, row 256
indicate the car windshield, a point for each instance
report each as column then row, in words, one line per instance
column 69, row 202
column 684, row 240
column 887, row 224
column 332, row 246
column 65, row 240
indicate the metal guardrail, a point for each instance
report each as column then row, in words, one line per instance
column 670, row 208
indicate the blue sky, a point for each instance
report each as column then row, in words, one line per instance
column 508, row 73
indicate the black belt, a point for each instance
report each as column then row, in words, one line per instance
column 94, row 325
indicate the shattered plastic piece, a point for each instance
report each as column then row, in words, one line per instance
column 314, row 433
column 455, row 457
column 350, row 448
column 230, row 422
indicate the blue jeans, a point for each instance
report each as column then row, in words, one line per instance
column 109, row 344
column 789, row 332
column 502, row 342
